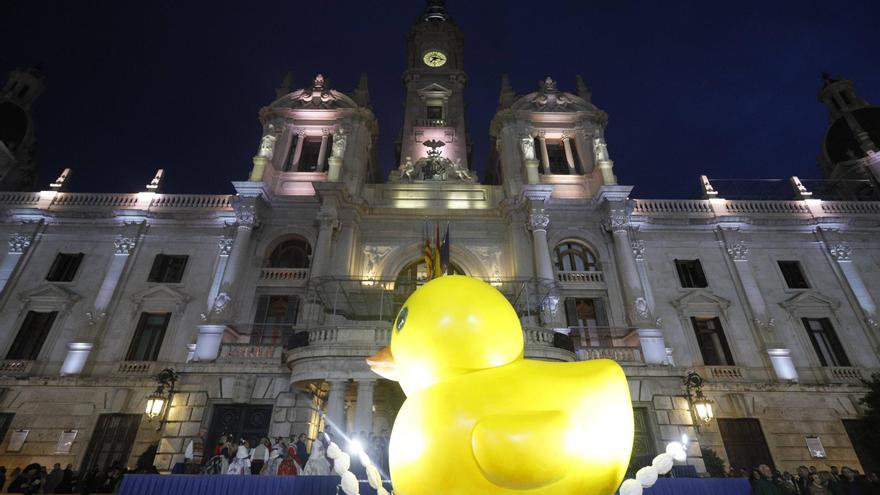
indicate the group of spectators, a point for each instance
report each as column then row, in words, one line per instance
column 36, row 478
column 281, row 457
column 809, row 481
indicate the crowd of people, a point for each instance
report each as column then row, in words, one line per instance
column 809, row 481
column 36, row 478
column 286, row 457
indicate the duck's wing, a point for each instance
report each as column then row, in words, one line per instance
column 504, row 447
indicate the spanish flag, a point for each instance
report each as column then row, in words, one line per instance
column 437, row 269
column 429, row 261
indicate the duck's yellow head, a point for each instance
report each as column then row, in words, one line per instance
column 450, row 326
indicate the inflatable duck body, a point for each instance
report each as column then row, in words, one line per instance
column 481, row 420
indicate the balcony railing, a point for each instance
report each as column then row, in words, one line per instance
column 136, row 368
column 432, row 123
column 250, row 352
column 284, row 274
column 591, row 277
column 843, row 374
column 15, row 367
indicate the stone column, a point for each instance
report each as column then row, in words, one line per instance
column 222, row 307
column 342, row 253
column 363, row 416
column 780, row 357
column 650, row 337
column 539, row 220
column 78, row 350
column 586, row 157
column 336, row 403
column 297, row 151
column 545, row 159
column 322, row 153
column 566, row 144
column 327, row 222
column 18, row 246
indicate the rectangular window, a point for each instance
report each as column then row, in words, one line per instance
column 148, row 337
column 588, row 322
column 32, row 334
column 311, row 151
column 275, row 318
column 793, row 275
column 713, row 344
column 690, row 273
column 64, row 267
column 168, row 268
column 825, row 342
column 556, row 157
column 434, row 112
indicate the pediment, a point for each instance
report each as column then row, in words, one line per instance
column 701, row 300
column 160, row 295
column 50, row 296
column 809, row 300
column 435, row 90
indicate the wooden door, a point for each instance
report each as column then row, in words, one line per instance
column 745, row 443
column 111, row 441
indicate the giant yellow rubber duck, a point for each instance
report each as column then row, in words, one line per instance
column 481, row 420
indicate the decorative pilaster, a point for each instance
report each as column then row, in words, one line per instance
column 327, row 223
column 545, row 159
column 538, row 222
column 841, row 252
column 363, row 415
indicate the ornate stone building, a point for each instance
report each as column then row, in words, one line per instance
column 267, row 302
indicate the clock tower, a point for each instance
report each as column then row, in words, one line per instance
column 434, row 81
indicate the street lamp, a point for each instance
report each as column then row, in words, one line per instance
column 701, row 407
column 157, row 401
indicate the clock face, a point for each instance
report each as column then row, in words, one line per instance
column 434, row 58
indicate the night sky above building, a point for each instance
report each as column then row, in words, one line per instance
column 725, row 90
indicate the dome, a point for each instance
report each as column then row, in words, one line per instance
column 840, row 142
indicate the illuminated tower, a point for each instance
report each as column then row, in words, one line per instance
column 850, row 156
column 434, row 80
column 17, row 167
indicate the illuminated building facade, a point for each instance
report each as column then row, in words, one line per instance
column 267, row 302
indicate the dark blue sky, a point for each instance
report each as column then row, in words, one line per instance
column 726, row 89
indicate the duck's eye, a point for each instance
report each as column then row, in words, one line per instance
column 401, row 319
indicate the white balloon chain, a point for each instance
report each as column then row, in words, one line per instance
column 662, row 464
column 350, row 485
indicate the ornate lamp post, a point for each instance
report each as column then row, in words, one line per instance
column 700, row 406
column 161, row 397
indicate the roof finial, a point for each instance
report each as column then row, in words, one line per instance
column 582, row 89
column 505, row 99
column 285, row 85
column 435, row 10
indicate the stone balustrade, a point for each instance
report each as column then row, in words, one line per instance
column 735, row 373
column 572, row 277
column 250, row 352
column 284, row 275
column 136, row 368
column 843, row 374
column 814, row 208
column 623, row 355
column 15, row 367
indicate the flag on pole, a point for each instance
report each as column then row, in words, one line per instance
column 436, row 271
column 429, row 262
column 444, row 253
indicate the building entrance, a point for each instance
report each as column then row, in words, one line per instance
column 111, row 441
column 237, row 421
column 744, row 442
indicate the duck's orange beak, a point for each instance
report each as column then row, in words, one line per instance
column 382, row 364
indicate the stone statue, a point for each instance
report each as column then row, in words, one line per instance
column 407, row 168
column 528, row 148
column 600, row 149
column 460, row 172
column 267, row 144
column 339, row 141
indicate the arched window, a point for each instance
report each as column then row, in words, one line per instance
column 416, row 274
column 292, row 253
column 571, row 256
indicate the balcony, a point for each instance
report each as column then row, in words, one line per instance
column 620, row 344
column 136, row 368
column 267, row 353
column 432, row 123
column 843, row 374
column 16, row 367
column 581, row 280
column 283, row 276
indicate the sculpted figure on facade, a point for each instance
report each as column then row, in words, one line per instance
column 245, row 213
column 407, row 169
column 640, row 305
column 124, row 245
column 19, row 243
column 600, row 149
column 739, row 251
column 528, row 148
column 638, row 248
column 460, row 172
column 339, row 141
column 267, row 144
column 841, row 251
column 225, row 245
